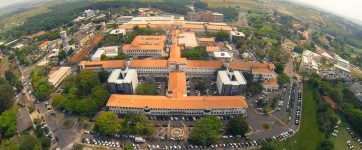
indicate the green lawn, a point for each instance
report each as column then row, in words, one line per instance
column 342, row 137
column 308, row 136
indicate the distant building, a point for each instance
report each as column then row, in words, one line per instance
column 146, row 46
column 110, row 51
column 205, row 16
column 97, row 66
column 230, row 82
column 89, row 13
column 124, row 19
column 43, row 46
column 123, row 81
column 309, row 62
column 64, row 37
column 117, row 32
column 56, row 76
column 236, row 36
column 156, row 20
column 342, row 65
column 204, row 41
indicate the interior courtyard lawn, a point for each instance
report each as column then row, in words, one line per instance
column 308, row 136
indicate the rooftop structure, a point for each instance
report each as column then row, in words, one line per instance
column 96, row 66
column 211, row 49
column 260, row 71
column 271, row 85
column 230, row 82
column 309, row 62
column 146, row 46
column 205, row 16
column 236, row 36
column 222, row 55
column 342, row 65
column 110, row 51
column 156, row 20
column 118, row 32
column 123, row 81
column 177, row 102
column 57, row 76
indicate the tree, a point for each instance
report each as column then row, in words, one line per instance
column 62, row 55
column 6, row 96
column 87, row 80
column 283, row 79
column 7, row 124
column 43, row 90
column 222, row 36
column 238, row 126
column 326, row 145
column 107, row 123
column 59, row 101
column 279, row 68
column 29, row 143
column 254, row 88
column 103, row 76
column 206, row 131
column 11, row 77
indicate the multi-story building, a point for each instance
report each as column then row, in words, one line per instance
column 146, row 46
column 271, row 85
column 206, row 41
column 56, row 76
column 110, row 51
column 97, row 66
column 43, row 46
column 123, row 81
column 261, row 72
column 205, row 16
column 236, row 36
column 176, row 102
column 187, row 40
column 64, row 37
column 230, row 82
column 309, row 62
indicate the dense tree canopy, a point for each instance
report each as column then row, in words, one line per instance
column 83, row 94
column 206, row 131
column 107, row 123
column 196, row 53
column 6, row 96
column 7, row 124
column 147, row 88
column 238, row 126
column 283, row 79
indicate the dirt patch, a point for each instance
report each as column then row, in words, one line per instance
column 265, row 126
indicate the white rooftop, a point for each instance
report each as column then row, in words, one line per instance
column 119, row 76
column 221, row 54
column 226, row 77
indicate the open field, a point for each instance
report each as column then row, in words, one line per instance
column 342, row 137
column 308, row 136
column 21, row 17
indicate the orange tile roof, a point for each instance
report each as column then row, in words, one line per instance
column 104, row 64
column 203, row 64
column 150, row 63
column 221, row 28
column 193, row 26
column 272, row 83
column 205, row 39
column 262, row 70
column 146, row 43
column 177, row 84
column 43, row 44
column 212, row 49
column 186, row 102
